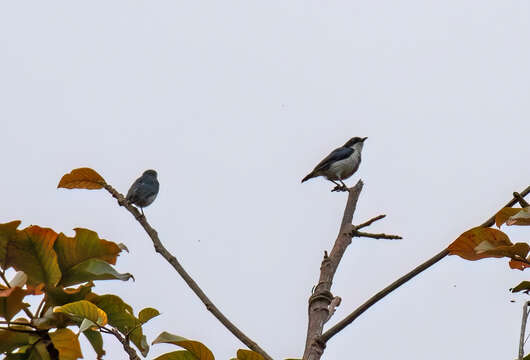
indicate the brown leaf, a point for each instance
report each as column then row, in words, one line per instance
column 11, row 302
column 82, row 178
column 522, row 217
column 504, row 214
column 477, row 243
column 519, row 265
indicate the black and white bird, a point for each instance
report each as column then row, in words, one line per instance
column 144, row 190
column 342, row 163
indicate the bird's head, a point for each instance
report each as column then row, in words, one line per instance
column 150, row 173
column 355, row 140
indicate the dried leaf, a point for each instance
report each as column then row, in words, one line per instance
column 479, row 243
column 522, row 217
column 504, row 214
column 82, row 178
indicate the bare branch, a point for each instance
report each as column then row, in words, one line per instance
column 159, row 248
column 523, row 329
column 369, row 222
column 402, row 280
column 335, row 303
column 320, row 301
column 375, row 236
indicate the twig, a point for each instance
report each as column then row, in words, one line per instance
column 321, row 299
column 375, row 236
column 369, row 222
column 402, row 280
column 126, row 345
column 159, row 248
column 9, row 323
column 521, row 200
column 523, row 330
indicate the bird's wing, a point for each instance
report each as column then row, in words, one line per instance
column 336, row 155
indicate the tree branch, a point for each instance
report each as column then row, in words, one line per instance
column 320, row 300
column 125, row 343
column 523, row 329
column 387, row 290
column 369, row 222
column 356, row 233
column 159, row 248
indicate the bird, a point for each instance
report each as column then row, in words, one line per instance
column 144, row 190
column 340, row 164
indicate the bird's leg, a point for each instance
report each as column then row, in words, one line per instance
column 340, row 187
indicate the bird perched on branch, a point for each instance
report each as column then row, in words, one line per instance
column 144, row 190
column 342, row 163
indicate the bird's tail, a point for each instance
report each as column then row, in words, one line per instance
column 309, row 176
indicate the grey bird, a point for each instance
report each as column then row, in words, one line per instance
column 144, row 190
column 340, row 164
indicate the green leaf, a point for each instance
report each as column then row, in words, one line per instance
column 177, row 355
column 11, row 340
column 195, row 347
column 243, row 354
column 147, row 314
column 83, row 309
column 39, row 352
column 121, row 316
column 11, row 302
column 8, row 232
column 523, row 286
column 96, row 340
column 83, row 246
column 59, row 295
column 67, row 343
column 92, row 269
column 32, row 251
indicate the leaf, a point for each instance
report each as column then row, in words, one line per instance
column 522, row 217
column 39, row 352
column 10, row 340
column 474, row 244
column 147, row 314
column 87, row 325
column 83, row 309
column 57, row 296
column 92, row 269
column 195, row 347
column 11, row 302
column 32, row 251
column 84, row 245
column 515, row 251
column 67, row 343
column 82, row 178
column 519, row 265
column 177, row 355
column 96, row 340
column 120, row 315
column 8, row 231
column 504, row 214
column 243, row 354
column 523, row 286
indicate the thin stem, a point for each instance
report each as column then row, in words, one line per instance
column 159, row 248
column 369, row 222
column 375, row 236
column 523, row 330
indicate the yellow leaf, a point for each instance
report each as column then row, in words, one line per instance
column 478, row 243
column 82, row 178
column 83, row 309
column 195, row 347
column 243, row 354
column 67, row 343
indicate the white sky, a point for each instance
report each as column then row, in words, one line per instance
column 232, row 103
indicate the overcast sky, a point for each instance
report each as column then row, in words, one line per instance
column 233, row 102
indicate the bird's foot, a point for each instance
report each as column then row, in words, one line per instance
column 339, row 188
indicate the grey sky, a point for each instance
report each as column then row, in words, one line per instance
column 232, row 103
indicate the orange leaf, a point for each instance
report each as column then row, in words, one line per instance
column 504, row 214
column 519, row 265
column 82, row 178
column 478, row 242
column 521, row 218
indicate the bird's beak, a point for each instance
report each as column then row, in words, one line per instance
column 365, row 138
